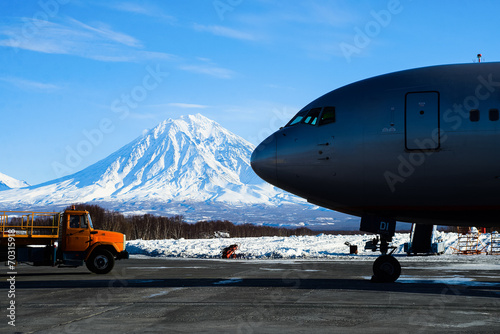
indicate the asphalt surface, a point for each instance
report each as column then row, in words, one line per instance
column 155, row 295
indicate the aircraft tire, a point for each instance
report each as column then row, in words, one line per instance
column 100, row 261
column 386, row 269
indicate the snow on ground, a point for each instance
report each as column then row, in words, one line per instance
column 295, row 247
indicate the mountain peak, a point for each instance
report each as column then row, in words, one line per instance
column 196, row 119
column 7, row 182
column 196, row 125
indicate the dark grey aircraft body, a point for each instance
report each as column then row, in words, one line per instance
column 419, row 146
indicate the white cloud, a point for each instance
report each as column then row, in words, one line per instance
column 30, row 85
column 304, row 13
column 208, row 69
column 72, row 37
column 132, row 8
column 142, row 9
column 188, row 105
column 105, row 33
column 224, row 32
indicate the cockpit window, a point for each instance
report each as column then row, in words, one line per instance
column 297, row 118
column 328, row 115
column 312, row 116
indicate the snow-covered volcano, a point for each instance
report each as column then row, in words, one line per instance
column 190, row 166
column 188, row 159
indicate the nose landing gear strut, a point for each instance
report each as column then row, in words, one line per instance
column 386, row 268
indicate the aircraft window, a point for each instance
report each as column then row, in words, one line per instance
column 474, row 115
column 312, row 116
column 493, row 114
column 297, row 118
column 328, row 115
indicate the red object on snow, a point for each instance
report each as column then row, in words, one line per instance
column 228, row 252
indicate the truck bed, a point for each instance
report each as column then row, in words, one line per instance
column 29, row 227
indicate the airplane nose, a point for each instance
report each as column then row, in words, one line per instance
column 263, row 160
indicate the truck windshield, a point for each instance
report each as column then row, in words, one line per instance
column 90, row 221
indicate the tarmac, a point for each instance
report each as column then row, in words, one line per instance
column 161, row 295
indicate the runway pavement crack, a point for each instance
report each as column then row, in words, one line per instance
column 68, row 323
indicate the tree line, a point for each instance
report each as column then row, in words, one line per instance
column 148, row 226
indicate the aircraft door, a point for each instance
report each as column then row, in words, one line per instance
column 422, row 121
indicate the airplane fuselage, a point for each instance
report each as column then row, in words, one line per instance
column 419, row 146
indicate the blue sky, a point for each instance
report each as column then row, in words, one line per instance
column 80, row 79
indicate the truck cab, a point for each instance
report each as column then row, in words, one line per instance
column 79, row 241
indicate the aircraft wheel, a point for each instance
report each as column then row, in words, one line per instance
column 386, row 269
column 100, row 261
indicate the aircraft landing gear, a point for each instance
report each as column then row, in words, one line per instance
column 386, row 269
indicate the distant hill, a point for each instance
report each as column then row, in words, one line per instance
column 7, row 182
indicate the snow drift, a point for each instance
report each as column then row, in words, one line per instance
column 296, row 247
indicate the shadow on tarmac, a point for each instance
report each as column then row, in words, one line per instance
column 489, row 290
column 76, row 273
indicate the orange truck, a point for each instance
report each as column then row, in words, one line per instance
column 65, row 239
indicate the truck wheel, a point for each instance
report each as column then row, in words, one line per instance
column 100, row 261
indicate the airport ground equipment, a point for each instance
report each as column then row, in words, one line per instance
column 423, row 241
column 495, row 243
column 353, row 249
column 65, row 239
column 468, row 242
